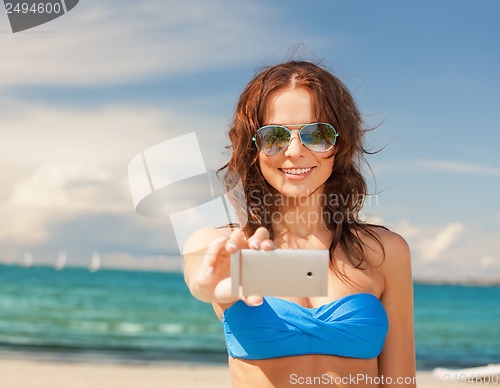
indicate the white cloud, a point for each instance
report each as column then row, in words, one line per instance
column 33, row 133
column 458, row 167
column 62, row 164
column 70, row 187
column 436, row 165
column 487, row 261
column 24, row 226
column 452, row 252
column 408, row 230
column 372, row 219
column 116, row 40
column 107, row 138
column 433, row 247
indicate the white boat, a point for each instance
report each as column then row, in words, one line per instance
column 27, row 260
column 61, row 261
column 95, row 262
column 468, row 374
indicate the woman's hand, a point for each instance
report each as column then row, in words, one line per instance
column 212, row 280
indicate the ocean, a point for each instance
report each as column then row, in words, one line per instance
column 132, row 316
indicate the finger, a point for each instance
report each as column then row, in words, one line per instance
column 258, row 237
column 236, row 241
column 222, row 292
column 212, row 254
column 253, row 300
column 267, row 245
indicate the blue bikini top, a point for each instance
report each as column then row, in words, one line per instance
column 352, row 326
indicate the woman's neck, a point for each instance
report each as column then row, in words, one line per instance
column 300, row 218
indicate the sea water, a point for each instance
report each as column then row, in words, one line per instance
column 151, row 316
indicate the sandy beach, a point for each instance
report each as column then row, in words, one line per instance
column 50, row 374
column 20, row 373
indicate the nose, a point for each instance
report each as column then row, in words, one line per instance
column 294, row 149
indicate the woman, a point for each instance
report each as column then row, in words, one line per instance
column 296, row 144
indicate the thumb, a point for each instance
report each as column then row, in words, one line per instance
column 253, row 300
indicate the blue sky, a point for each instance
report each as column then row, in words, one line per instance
column 83, row 94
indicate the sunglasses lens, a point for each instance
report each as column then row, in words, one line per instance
column 273, row 139
column 318, row 137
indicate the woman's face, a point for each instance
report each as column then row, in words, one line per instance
column 296, row 171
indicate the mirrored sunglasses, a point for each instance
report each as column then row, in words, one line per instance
column 273, row 139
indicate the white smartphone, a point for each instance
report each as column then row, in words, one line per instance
column 280, row 272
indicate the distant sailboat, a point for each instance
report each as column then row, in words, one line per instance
column 61, row 261
column 95, row 262
column 28, row 260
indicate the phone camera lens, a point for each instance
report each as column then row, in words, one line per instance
column 309, row 274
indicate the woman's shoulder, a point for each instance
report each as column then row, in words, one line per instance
column 389, row 239
column 392, row 249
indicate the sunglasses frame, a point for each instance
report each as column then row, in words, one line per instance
column 285, row 126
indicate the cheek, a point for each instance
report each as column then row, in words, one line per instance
column 327, row 161
column 330, row 167
column 270, row 162
column 265, row 165
column 262, row 163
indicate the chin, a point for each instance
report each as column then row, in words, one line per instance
column 298, row 192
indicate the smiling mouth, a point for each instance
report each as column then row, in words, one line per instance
column 296, row 171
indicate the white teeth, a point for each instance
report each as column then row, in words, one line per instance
column 296, row 171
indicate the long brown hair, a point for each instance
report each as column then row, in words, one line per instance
column 335, row 105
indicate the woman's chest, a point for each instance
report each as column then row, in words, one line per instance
column 344, row 279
